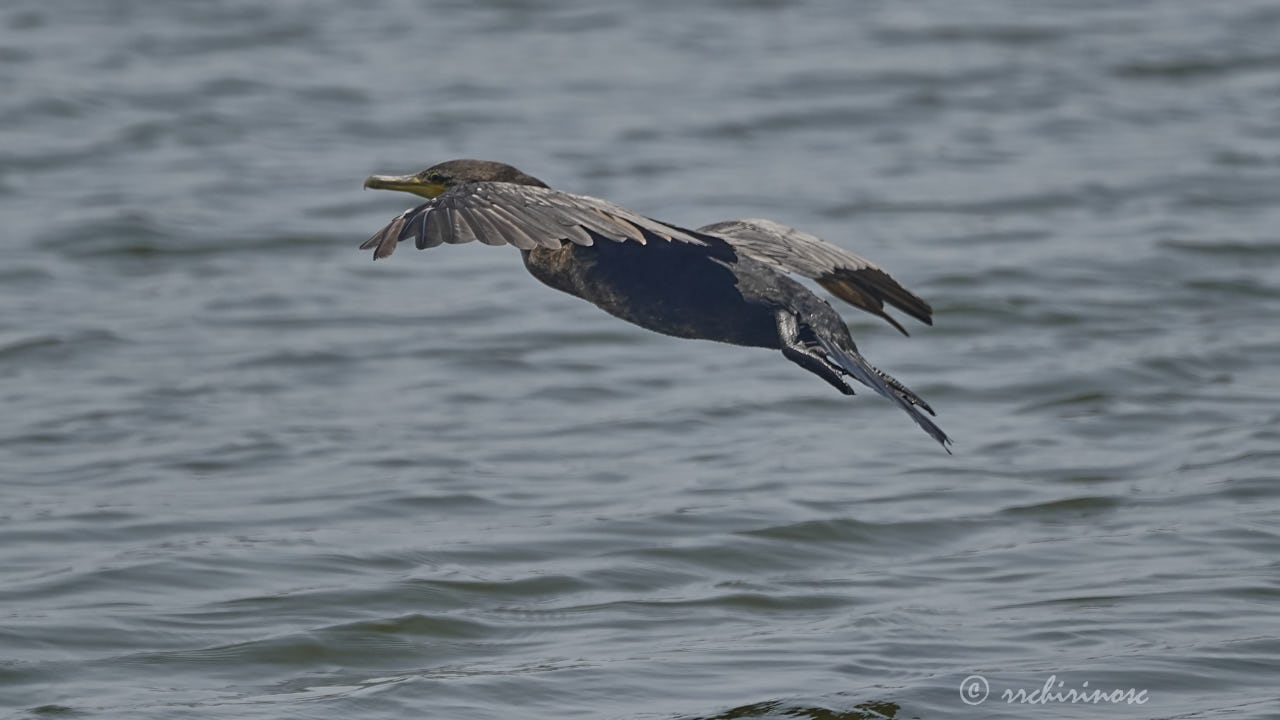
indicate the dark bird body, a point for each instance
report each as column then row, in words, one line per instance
column 672, row 288
column 723, row 282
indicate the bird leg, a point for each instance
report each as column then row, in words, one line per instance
column 806, row 356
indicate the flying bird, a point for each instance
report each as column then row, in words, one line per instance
column 727, row 281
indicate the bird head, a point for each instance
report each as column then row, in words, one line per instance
column 437, row 179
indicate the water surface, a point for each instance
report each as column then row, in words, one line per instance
column 245, row 472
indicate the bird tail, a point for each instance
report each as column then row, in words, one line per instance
column 857, row 367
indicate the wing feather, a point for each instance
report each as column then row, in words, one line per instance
column 383, row 242
column 415, row 228
column 484, row 226
column 436, row 232
column 523, row 224
column 849, row 277
column 521, row 215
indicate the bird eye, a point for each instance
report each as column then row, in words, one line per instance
column 435, row 178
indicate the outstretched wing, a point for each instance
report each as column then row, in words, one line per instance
column 851, row 278
column 525, row 216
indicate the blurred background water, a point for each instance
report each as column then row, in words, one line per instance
column 247, row 473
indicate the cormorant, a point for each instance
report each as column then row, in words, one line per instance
column 726, row 281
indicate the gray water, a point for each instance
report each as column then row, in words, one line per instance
column 247, row 473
